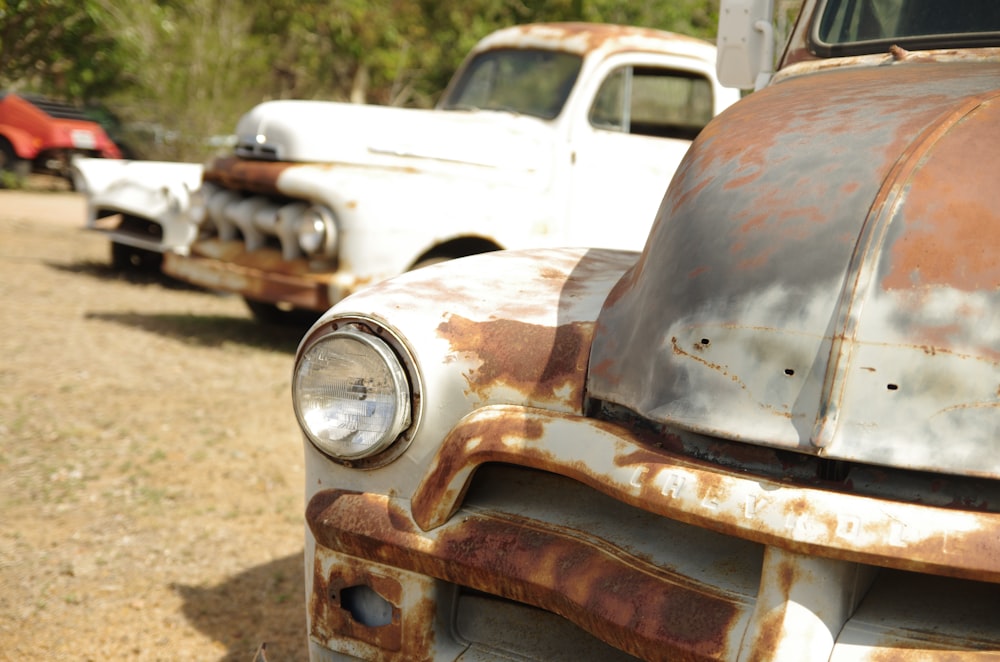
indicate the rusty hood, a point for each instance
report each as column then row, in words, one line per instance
column 823, row 274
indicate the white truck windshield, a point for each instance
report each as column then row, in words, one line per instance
column 522, row 81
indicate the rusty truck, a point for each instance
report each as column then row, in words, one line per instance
column 548, row 134
column 772, row 434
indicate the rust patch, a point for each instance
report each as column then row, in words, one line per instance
column 331, row 619
column 808, row 520
column 255, row 176
column 715, row 367
column 622, row 600
column 598, row 35
column 546, row 364
column 952, row 211
column 261, row 275
column 484, row 441
column 412, row 631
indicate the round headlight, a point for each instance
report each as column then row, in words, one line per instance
column 198, row 203
column 317, row 232
column 351, row 395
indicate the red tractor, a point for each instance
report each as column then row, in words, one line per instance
column 41, row 136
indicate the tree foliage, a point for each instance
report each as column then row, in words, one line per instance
column 61, row 47
column 187, row 69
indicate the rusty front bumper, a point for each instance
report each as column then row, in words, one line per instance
column 652, row 553
column 261, row 275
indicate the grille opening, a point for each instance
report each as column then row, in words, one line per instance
column 795, row 468
column 493, row 623
column 832, row 470
column 140, row 227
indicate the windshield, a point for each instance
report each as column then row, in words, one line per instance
column 522, row 81
column 853, row 27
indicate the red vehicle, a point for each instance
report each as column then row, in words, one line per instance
column 40, row 135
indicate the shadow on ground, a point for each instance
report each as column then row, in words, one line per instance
column 262, row 607
column 212, row 330
column 282, row 334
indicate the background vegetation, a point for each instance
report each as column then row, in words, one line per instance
column 177, row 73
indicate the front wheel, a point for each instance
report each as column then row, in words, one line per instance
column 273, row 313
column 129, row 258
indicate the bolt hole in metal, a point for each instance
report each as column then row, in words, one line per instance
column 892, row 387
column 789, row 371
column 705, row 341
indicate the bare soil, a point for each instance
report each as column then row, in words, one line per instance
column 150, row 465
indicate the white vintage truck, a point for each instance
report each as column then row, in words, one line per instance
column 548, row 135
column 774, row 434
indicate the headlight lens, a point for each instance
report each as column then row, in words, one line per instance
column 351, row 395
column 317, row 232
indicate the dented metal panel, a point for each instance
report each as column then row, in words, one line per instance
column 816, row 281
column 156, row 191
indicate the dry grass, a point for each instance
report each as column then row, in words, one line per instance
column 150, row 466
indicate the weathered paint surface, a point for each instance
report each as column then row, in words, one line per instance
column 261, row 275
column 410, row 632
column 813, row 318
column 819, row 278
column 633, row 606
column 639, row 471
column 547, row 363
column 586, row 38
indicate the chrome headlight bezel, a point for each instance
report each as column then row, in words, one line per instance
column 317, row 232
column 198, row 198
column 386, row 441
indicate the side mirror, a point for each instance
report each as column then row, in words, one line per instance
column 745, row 43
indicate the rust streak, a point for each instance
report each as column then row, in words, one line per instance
column 545, row 363
column 622, row 600
column 256, row 176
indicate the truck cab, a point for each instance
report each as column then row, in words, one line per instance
column 526, row 148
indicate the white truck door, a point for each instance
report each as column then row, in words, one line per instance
column 627, row 143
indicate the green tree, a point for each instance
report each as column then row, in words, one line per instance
column 60, row 48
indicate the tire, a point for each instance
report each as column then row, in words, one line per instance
column 129, row 258
column 272, row 313
column 13, row 169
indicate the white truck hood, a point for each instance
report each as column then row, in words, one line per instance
column 331, row 132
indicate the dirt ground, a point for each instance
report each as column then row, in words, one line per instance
column 150, row 465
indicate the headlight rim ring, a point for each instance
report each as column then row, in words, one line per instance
column 366, row 326
column 328, row 245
